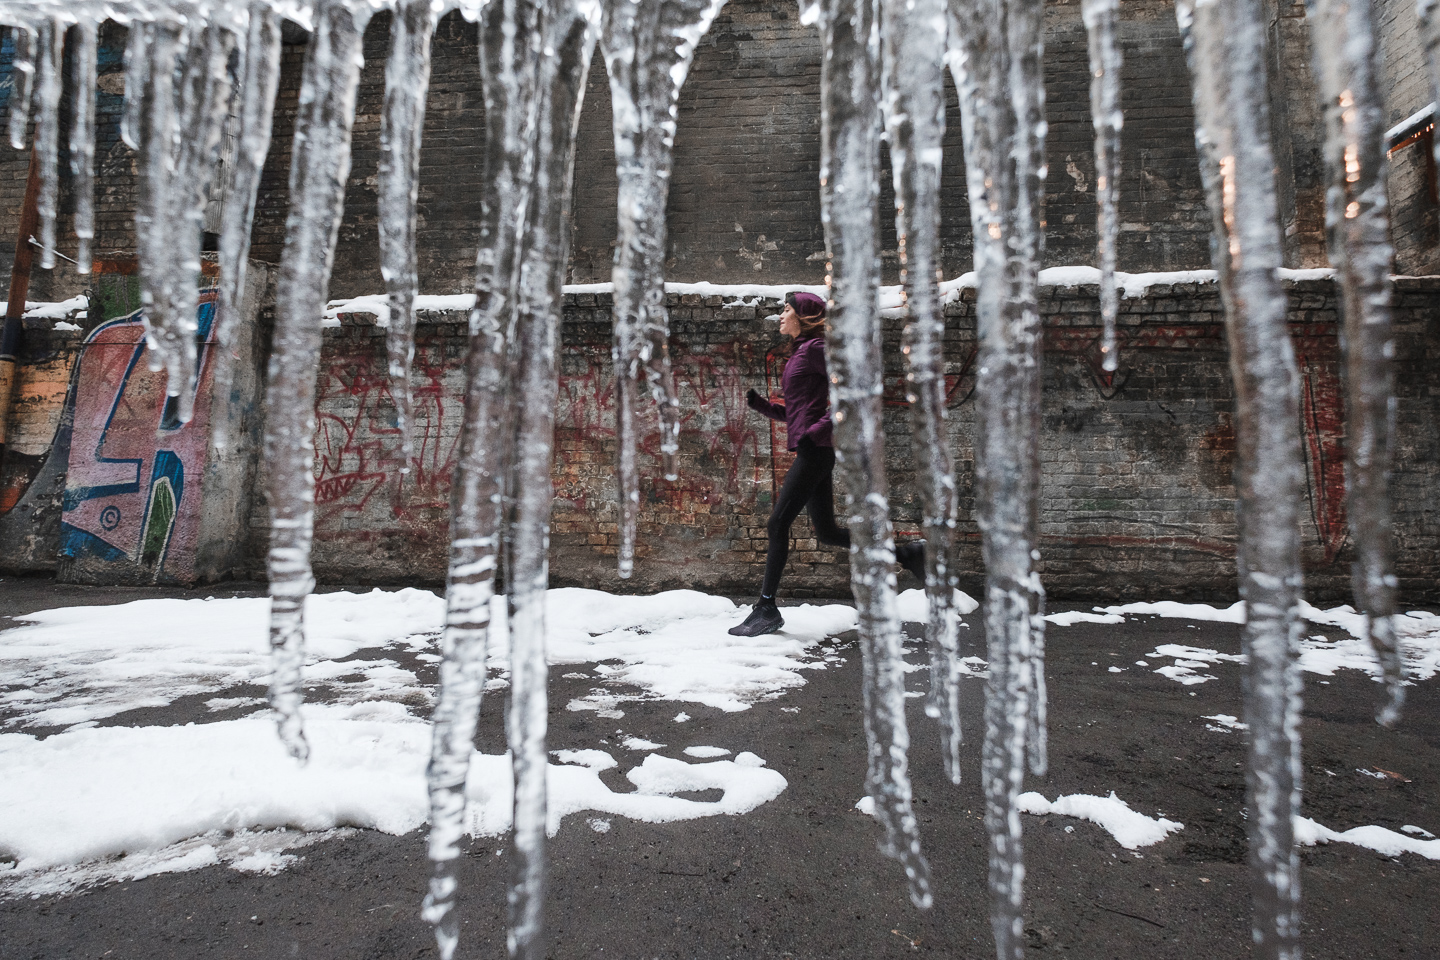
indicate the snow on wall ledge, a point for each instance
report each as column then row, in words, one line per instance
column 1137, row 497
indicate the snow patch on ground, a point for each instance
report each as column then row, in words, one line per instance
column 1418, row 632
column 706, row 753
column 1072, row 617
column 1132, row 830
column 914, row 608
column 1384, row 842
column 77, row 664
column 156, row 796
column 1226, row 723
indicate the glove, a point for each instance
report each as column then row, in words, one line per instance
column 754, row 401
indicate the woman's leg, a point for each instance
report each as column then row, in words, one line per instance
column 810, row 469
column 822, row 505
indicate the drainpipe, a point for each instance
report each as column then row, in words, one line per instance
column 10, row 334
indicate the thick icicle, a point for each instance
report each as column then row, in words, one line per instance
column 1100, row 18
column 1357, row 221
column 849, row 193
column 319, row 167
column 82, row 141
column 48, row 86
column 22, row 79
column 914, row 35
column 648, row 47
column 137, row 78
column 181, row 142
column 259, row 77
column 1225, row 47
column 567, row 38
column 407, row 81
column 995, row 57
column 484, row 453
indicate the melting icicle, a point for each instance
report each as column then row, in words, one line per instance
column 1357, row 221
column 484, row 456
column 22, row 79
column 82, row 141
column 567, row 38
column 849, row 188
column 182, row 131
column 1225, row 47
column 48, row 84
column 995, row 59
column 318, row 170
column 1100, row 22
column 259, row 76
column 137, row 78
column 914, row 36
column 407, row 80
column 648, row 47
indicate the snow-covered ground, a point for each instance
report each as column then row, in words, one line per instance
column 86, row 802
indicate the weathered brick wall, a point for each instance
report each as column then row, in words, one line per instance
column 744, row 200
column 1415, row 213
column 1137, row 500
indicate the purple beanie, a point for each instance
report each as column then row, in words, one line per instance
column 807, row 305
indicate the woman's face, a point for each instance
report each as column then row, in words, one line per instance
column 790, row 322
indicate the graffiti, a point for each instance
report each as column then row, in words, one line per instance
column 131, row 492
column 362, row 486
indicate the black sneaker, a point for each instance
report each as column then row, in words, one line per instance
column 765, row 618
column 910, row 554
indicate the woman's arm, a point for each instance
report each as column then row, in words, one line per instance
column 771, row 409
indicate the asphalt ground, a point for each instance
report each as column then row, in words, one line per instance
column 801, row 876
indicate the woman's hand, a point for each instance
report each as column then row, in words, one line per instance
column 754, row 401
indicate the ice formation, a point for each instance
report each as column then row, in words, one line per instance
column 849, row 193
column 1225, row 48
column 1357, row 225
column 913, row 78
column 188, row 63
column 648, row 46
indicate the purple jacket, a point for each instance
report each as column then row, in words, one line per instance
column 806, row 388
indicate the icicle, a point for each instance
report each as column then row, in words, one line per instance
column 82, row 141
column 22, row 79
column 995, row 58
column 180, row 146
column 570, row 30
column 1100, row 22
column 407, row 79
column 483, row 460
column 849, row 188
column 648, row 47
column 914, row 36
column 259, row 76
column 318, row 170
column 48, row 85
column 137, row 78
column 1357, row 221
column 1225, row 47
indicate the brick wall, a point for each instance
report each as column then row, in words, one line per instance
column 1137, row 500
column 1405, row 83
column 744, row 203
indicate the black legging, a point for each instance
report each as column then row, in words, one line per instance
column 807, row 485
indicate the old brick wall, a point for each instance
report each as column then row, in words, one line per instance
column 744, row 202
column 1137, row 500
column 1415, row 212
